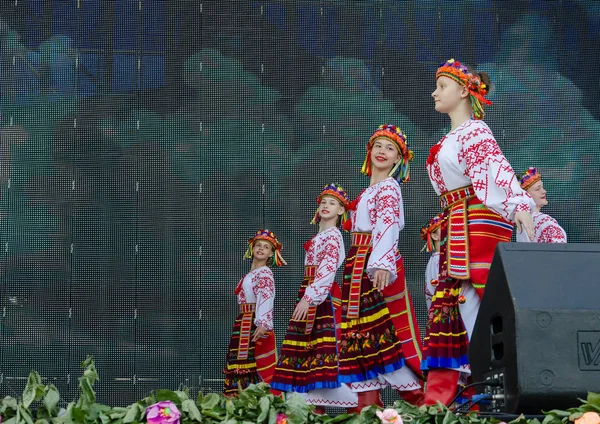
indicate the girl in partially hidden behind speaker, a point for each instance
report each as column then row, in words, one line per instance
column 546, row 229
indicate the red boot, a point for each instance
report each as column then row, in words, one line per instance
column 372, row 397
column 319, row 410
column 414, row 397
column 441, row 385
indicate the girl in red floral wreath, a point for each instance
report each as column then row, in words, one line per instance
column 380, row 340
column 482, row 200
column 308, row 359
column 251, row 356
column 546, row 229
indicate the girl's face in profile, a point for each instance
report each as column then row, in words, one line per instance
column 448, row 94
column 538, row 194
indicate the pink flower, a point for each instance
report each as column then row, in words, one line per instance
column 281, row 419
column 389, row 416
column 164, row 412
column 588, row 418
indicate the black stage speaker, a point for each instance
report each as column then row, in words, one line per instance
column 538, row 327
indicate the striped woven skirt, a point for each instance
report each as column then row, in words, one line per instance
column 248, row 362
column 308, row 358
column 379, row 333
column 470, row 233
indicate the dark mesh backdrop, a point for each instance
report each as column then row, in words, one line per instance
column 143, row 142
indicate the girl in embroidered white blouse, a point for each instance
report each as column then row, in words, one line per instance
column 251, row 356
column 546, row 229
column 380, row 340
column 482, row 200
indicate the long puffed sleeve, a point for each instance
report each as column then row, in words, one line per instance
column 263, row 287
column 387, row 217
column 493, row 179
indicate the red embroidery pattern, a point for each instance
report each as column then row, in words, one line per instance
column 263, row 285
column 489, row 171
column 384, row 211
column 433, row 167
column 326, row 253
column 547, row 229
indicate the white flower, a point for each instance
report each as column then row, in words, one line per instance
column 389, row 416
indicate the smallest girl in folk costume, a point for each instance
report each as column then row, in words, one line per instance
column 431, row 235
column 308, row 359
column 545, row 227
column 380, row 340
column 251, row 357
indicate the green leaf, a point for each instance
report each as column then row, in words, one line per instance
column 96, row 410
column 34, row 389
column 265, row 406
column 272, row 416
column 104, row 419
column 340, row 418
column 210, row 401
column 25, row 414
column 8, row 403
column 593, row 398
column 356, row 419
column 549, row 419
column 557, row 413
column 67, row 415
column 88, row 395
column 297, row 410
column 182, row 395
column 575, row 415
column 190, row 407
column 51, row 398
column 589, row 407
column 118, row 414
column 449, row 418
column 134, row 414
column 229, row 407
column 162, row 395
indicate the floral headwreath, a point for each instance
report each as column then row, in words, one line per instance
column 477, row 88
column 529, row 178
column 269, row 236
column 396, row 136
column 431, row 227
column 337, row 192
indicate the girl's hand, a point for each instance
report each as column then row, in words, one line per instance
column 258, row 333
column 381, row 279
column 525, row 222
column 301, row 310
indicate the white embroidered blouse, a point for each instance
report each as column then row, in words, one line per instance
column 258, row 286
column 379, row 211
column 470, row 155
column 326, row 252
